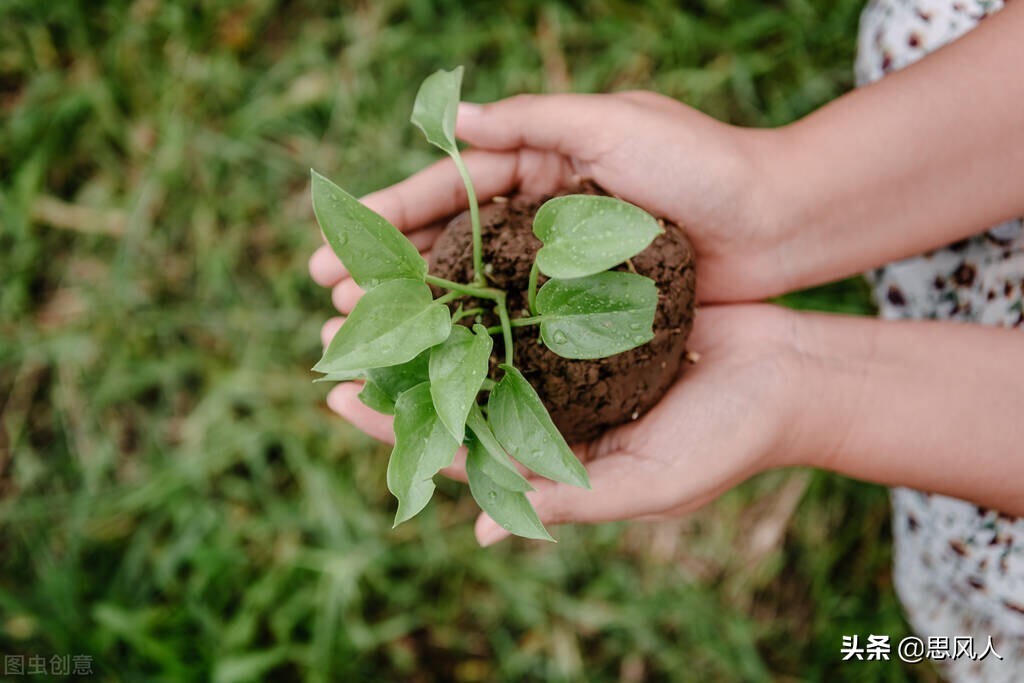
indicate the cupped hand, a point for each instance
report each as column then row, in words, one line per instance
column 729, row 417
column 648, row 149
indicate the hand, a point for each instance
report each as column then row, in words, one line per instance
column 732, row 417
column 648, row 149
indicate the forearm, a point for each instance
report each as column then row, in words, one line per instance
column 927, row 405
column 924, row 157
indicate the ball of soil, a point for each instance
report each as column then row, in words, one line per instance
column 584, row 397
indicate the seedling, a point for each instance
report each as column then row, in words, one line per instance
column 432, row 374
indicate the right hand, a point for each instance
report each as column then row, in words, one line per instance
column 667, row 158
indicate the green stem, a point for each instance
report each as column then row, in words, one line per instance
column 495, row 295
column 531, row 291
column 506, row 329
column 518, row 322
column 466, row 313
column 445, row 298
column 474, row 217
column 468, row 290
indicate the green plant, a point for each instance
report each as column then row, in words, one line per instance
column 429, row 372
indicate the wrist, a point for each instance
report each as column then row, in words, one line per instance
column 776, row 196
column 828, row 374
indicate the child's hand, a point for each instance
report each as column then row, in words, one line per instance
column 648, row 149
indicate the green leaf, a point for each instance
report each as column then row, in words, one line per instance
column 494, row 462
column 346, row 376
column 372, row 249
column 436, row 107
column 598, row 315
column 524, row 428
column 384, row 385
column 585, row 234
column 458, row 367
column 391, row 324
column 374, row 397
column 511, row 509
column 422, row 447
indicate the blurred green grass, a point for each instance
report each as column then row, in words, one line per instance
column 176, row 502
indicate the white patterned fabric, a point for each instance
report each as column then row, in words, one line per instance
column 958, row 568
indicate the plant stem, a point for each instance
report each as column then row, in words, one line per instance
column 506, row 329
column 531, row 291
column 466, row 313
column 468, row 290
column 518, row 322
column 474, row 217
column 445, row 298
column 495, row 295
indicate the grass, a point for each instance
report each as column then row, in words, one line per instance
column 175, row 500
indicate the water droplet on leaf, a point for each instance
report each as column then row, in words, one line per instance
column 559, row 337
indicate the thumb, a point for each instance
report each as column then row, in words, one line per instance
column 621, row 488
column 567, row 124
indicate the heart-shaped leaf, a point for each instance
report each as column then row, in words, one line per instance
column 598, row 315
column 458, row 367
column 384, row 385
column 511, row 509
column 436, row 107
column 391, row 324
column 372, row 249
column 422, row 447
column 493, row 461
column 586, row 234
column 524, row 428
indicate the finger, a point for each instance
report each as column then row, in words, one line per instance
column 437, row 191
column 343, row 399
column 573, row 125
column 329, row 329
column 325, row 268
column 345, row 295
column 424, row 238
column 618, row 491
column 457, row 470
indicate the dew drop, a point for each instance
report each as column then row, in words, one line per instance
column 493, row 495
column 639, row 339
column 559, row 337
column 635, row 326
column 506, row 526
column 341, row 239
column 537, row 454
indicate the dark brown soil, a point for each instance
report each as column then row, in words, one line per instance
column 585, row 397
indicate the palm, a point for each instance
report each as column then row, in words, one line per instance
column 706, row 435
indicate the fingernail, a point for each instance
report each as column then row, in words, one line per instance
column 469, row 110
column 488, row 532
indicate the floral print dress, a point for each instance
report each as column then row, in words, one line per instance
column 958, row 568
